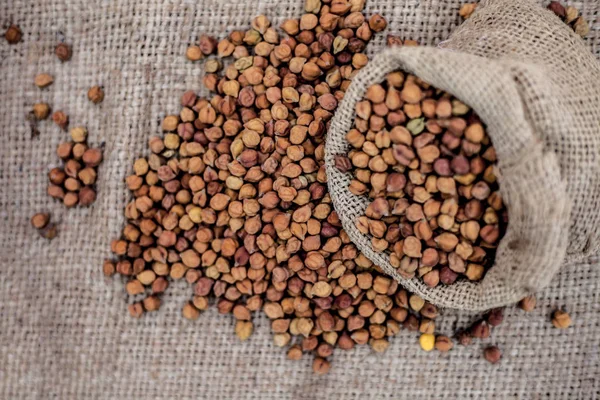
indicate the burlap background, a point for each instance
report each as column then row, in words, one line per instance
column 64, row 329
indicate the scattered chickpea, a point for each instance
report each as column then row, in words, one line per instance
column 60, row 119
column 193, row 53
column 561, row 319
column 492, row 354
column 63, row 52
column 41, row 110
column 466, row 10
column 40, row 220
column 78, row 134
column 190, row 312
column 43, row 80
column 528, row 303
column 13, row 34
column 95, row 94
column 427, row 341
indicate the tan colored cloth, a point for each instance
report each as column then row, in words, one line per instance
column 64, row 330
column 534, row 83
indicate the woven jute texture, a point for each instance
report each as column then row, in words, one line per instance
column 534, row 83
column 64, row 330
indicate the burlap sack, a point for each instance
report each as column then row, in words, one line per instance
column 536, row 86
column 65, row 332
